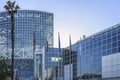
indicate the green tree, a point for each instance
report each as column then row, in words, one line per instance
column 5, row 69
column 11, row 8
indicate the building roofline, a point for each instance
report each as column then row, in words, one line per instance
column 31, row 11
column 102, row 31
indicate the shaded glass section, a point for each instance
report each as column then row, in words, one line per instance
column 70, row 65
column 53, row 64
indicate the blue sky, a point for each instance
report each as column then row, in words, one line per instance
column 75, row 17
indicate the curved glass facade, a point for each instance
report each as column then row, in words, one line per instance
column 30, row 27
column 26, row 22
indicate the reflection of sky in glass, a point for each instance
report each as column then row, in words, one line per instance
column 27, row 22
column 94, row 48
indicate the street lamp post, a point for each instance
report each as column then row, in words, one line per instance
column 11, row 8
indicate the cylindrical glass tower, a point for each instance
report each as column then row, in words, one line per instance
column 27, row 22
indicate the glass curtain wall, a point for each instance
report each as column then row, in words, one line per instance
column 90, row 51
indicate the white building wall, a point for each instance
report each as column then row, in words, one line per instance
column 67, row 73
column 111, row 66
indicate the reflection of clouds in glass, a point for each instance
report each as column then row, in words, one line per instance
column 3, row 30
column 2, row 39
column 39, row 28
column 26, row 21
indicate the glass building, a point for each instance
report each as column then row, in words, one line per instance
column 53, row 64
column 69, row 65
column 29, row 25
column 48, row 64
column 97, row 55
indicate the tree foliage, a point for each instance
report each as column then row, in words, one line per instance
column 5, row 69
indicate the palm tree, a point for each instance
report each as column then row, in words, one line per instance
column 11, row 8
